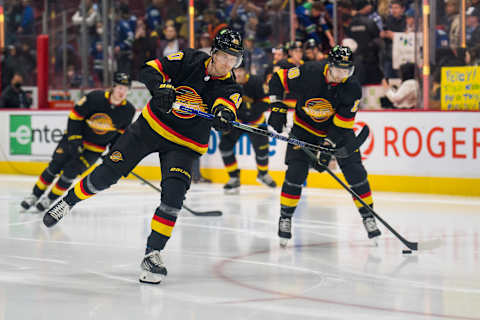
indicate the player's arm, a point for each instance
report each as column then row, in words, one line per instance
column 156, row 75
column 76, row 121
column 282, row 82
column 225, row 106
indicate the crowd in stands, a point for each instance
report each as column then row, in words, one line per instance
column 156, row 28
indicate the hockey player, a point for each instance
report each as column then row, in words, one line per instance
column 95, row 122
column 189, row 77
column 328, row 99
column 251, row 112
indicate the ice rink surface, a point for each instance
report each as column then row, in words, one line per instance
column 232, row 267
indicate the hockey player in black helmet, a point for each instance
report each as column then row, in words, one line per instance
column 192, row 78
column 328, row 100
column 96, row 121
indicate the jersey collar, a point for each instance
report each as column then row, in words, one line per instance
column 228, row 75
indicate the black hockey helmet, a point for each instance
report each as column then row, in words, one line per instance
column 310, row 44
column 340, row 61
column 294, row 45
column 340, row 57
column 122, row 78
column 228, row 41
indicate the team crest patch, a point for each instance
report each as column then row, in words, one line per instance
column 100, row 123
column 116, row 156
column 318, row 109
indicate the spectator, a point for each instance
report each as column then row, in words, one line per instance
column 171, row 44
column 26, row 26
column 27, row 62
column 254, row 56
column 312, row 16
column 453, row 23
column 395, row 22
column 472, row 56
column 364, row 31
column 14, row 96
column 237, row 16
column 124, row 37
column 9, row 65
column 473, row 26
column 212, row 23
column 204, row 43
column 144, row 47
column 154, row 16
column 406, row 96
column 14, row 15
column 91, row 18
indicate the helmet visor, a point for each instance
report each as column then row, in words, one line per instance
column 339, row 74
column 227, row 59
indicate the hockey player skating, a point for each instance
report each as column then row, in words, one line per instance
column 251, row 112
column 328, row 99
column 189, row 77
column 96, row 121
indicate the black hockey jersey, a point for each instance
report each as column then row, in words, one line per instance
column 187, row 72
column 254, row 102
column 289, row 99
column 320, row 106
column 98, row 121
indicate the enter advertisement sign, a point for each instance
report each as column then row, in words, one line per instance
column 441, row 144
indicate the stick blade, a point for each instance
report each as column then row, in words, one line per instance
column 214, row 213
column 430, row 244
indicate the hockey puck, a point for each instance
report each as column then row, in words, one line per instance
column 406, row 251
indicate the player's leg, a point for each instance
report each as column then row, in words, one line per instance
column 71, row 170
column 127, row 152
column 356, row 176
column 297, row 172
column 59, row 158
column 176, row 179
column 227, row 144
column 260, row 145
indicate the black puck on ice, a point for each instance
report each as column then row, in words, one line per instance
column 406, row 251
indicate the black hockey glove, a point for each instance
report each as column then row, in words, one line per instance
column 75, row 145
column 223, row 118
column 323, row 158
column 163, row 97
column 278, row 117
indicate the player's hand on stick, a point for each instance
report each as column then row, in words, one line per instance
column 278, row 117
column 163, row 97
column 223, row 118
column 323, row 157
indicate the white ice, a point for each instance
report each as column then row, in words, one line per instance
column 232, row 267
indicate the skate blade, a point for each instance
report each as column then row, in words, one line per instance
column 266, row 185
column 283, row 242
column 151, row 278
column 232, row 191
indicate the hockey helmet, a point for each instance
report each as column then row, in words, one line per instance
column 122, row 78
column 340, row 61
column 294, row 45
column 230, row 42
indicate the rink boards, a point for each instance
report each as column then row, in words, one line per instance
column 421, row 151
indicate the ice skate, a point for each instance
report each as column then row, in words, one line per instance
column 267, row 180
column 56, row 213
column 232, row 186
column 29, row 201
column 153, row 268
column 371, row 227
column 44, row 203
column 284, row 230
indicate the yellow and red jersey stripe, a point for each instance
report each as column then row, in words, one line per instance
column 93, row 147
column 42, row 184
column 291, row 103
column 282, row 74
column 343, row 122
column 231, row 166
column 169, row 134
column 289, row 200
column 74, row 115
column 162, row 225
column 366, row 197
column 299, row 122
column 262, row 167
column 157, row 65
column 57, row 190
column 224, row 102
column 80, row 192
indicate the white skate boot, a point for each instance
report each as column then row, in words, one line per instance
column 153, row 268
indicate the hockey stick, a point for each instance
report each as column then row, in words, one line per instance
column 410, row 245
column 215, row 213
column 342, row 152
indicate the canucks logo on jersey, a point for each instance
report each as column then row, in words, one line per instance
column 319, row 109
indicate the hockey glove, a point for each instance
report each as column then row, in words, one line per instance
column 223, row 118
column 163, row 97
column 323, row 158
column 75, row 145
column 278, row 117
